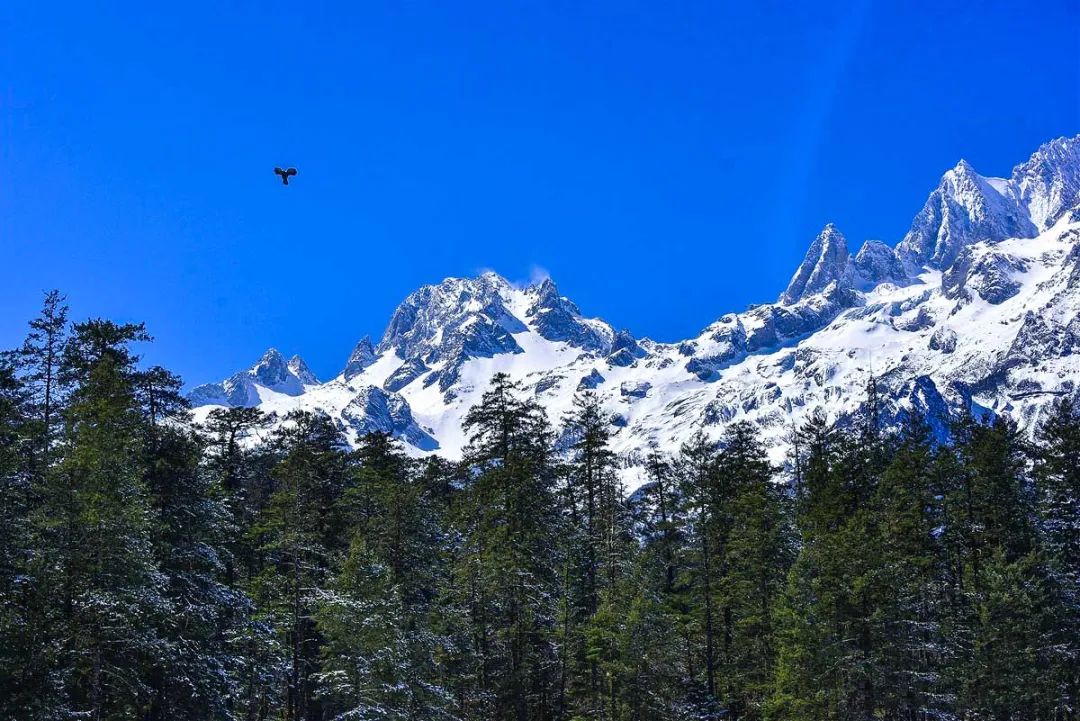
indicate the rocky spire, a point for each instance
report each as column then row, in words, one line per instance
column 964, row 209
column 299, row 368
column 826, row 262
column 271, row 370
column 1048, row 184
column 361, row 357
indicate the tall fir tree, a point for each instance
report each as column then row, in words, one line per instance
column 300, row 538
column 759, row 550
column 20, row 680
column 97, row 526
column 1057, row 484
column 603, row 548
column 505, row 580
column 381, row 655
column 42, row 357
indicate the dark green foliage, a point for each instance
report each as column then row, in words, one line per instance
column 381, row 654
column 153, row 569
column 504, row 583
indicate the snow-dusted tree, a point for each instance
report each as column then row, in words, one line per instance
column 505, row 571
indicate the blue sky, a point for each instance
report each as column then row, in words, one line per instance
column 664, row 162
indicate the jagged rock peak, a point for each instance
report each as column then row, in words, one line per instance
column 965, row 208
column 556, row 317
column 877, row 263
column 421, row 323
column 546, row 295
column 300, row 369
column 825, row 262
column 271, row 370
column 1048, row 184
column 361, row 357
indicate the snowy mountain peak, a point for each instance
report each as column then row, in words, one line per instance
column 976, row 310
column 963, row 209
column 825, row 262
column 443, row 325
column 557, row 318
column 299, row 368
column 967, row 208
column 1048, row 184
column 362, row 356
column 271, row 374
column 271, row 370
column 877, row 263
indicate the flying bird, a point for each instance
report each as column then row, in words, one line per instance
column 285, row 174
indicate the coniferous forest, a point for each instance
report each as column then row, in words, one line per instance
column 154, row 569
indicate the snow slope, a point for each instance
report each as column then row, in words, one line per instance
column 977, row 307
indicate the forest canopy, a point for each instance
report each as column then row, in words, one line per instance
column 158, row 569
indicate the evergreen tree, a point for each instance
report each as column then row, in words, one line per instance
column 603, row 547
column 300, row 537
column 1057, row 474
column 20, row 687
column 706, row 525
column 911, row 647
column 825, row 665
column 42, row 356
column 1001, row 620
column 505, row 580
column 632, row 641
column 196, row 675
column 381, row 654
column 759, row 551
column 96, row 524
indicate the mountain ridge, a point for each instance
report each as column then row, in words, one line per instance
column 978, row 246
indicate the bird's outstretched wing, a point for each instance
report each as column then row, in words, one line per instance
column 291, row 171
column 279, row 171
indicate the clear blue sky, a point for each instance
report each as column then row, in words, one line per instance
column 666, row 162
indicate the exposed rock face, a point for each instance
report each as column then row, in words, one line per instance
column 406, row 373
column 877, row 263
column 557, row 318
column 964, row 209
column 944, row 340
column 827, row 262
column 625, row 350
column 637, row 389
column 590, row 381
column 362, row 356
column 300, row 369
column 373, row 409
column 1048, row 185
column 976, row 310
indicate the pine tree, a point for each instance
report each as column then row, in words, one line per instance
column 505, row 583
column 706, row 523
column 299, row 535
column 380, row 653
column 759, row 551
column 96, row 525
column 603, row 547
column 240, row 469
column 20, row 681
column 632, row 641
column 42, row 356
column 825, row 662
column 1001, row 622
column 196, row 676
column 1057, row 474
column 911, row 647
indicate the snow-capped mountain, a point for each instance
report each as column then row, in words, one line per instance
column 977, row 307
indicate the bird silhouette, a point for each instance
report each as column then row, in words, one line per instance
column 285, row 174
